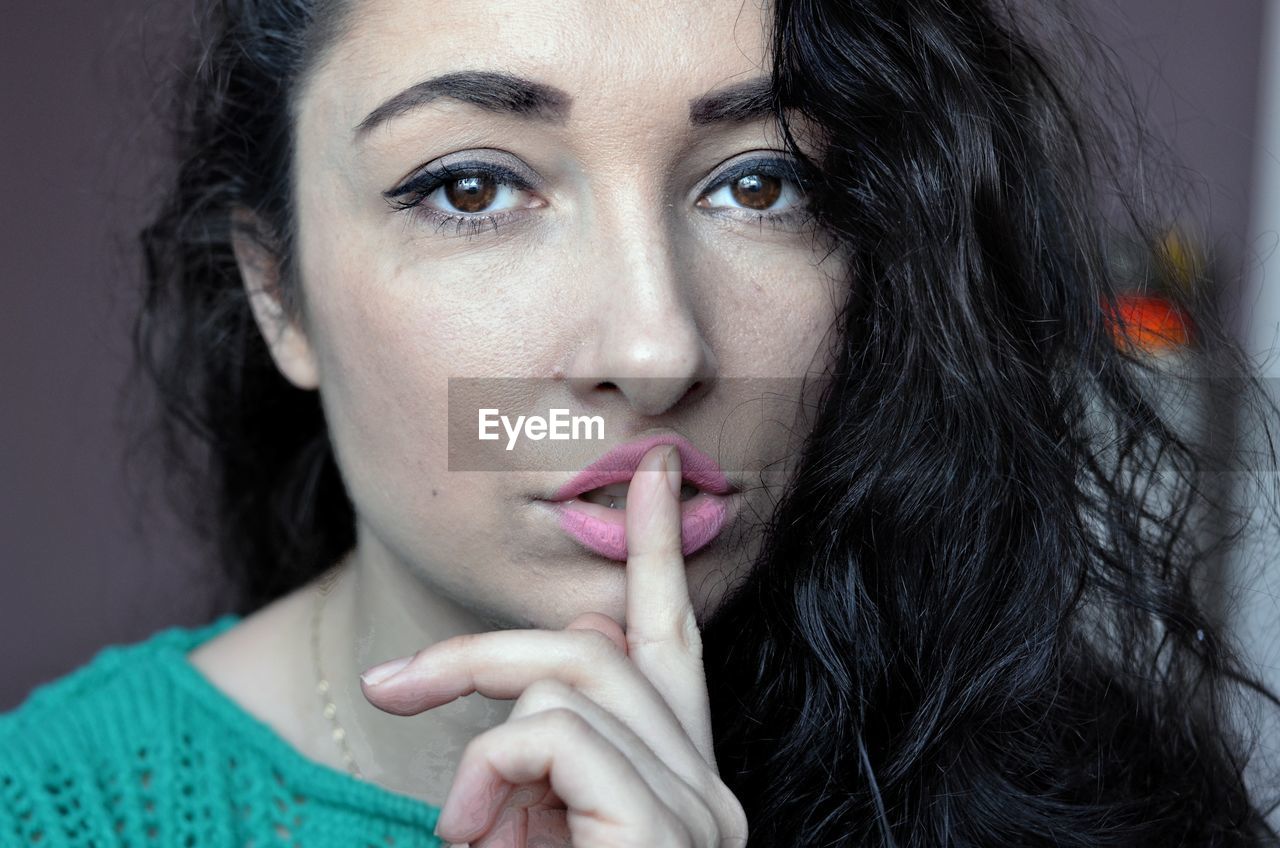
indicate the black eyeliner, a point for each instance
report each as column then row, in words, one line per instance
column 428, row 180
column 775, row 167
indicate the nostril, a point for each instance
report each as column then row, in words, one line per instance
column 694, row 391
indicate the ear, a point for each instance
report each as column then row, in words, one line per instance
column 260, row 272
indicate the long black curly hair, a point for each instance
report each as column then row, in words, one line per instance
column 978, row 616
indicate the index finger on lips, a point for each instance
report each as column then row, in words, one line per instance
column 662, row 630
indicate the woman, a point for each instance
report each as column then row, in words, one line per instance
column 922, row 607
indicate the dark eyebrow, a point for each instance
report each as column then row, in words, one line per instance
column 505, row 93
column 490, row 90
column 744, row 101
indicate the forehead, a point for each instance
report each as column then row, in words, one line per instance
column 650, row 58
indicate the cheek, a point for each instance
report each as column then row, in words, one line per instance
column 383, row 388
column 773, row 306
column 389, row 333
column 396, row 313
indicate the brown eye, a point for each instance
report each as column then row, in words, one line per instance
column 767, row 189
column 471, row 194
column 757, row 191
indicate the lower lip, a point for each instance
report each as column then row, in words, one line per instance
column 604, row 531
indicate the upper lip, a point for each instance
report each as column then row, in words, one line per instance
column 620, row 464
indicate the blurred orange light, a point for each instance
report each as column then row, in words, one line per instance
column 1152, row 324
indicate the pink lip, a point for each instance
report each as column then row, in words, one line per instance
column 603, row 530
column 619, row 465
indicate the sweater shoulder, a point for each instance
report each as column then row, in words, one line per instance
column 79, row 745
column 136, row 747
column 117, row 677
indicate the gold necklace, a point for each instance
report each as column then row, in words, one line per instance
column 323, row 585
column 322, row 683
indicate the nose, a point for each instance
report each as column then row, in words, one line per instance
column 642, row 336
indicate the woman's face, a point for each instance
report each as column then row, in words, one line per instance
column 609, row 268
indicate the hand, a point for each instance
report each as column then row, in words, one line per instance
column 609, row 743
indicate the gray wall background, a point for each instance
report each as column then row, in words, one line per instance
column 81, row 154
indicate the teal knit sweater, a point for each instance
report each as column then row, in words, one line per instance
column 137, row 748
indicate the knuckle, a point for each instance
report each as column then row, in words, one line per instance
column 737, row 829
column 718, row 817
column 700, row 785
column 598, row 645
column 690, row 634
column 684, row 634
column 705, row 827
column 733, row 831
column 566, row 721
column 695, row 801
column 477, row 745
column 547, row 690
column 540, row 695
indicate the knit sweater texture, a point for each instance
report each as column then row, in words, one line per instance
column 138, row 748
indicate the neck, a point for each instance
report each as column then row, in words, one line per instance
column 378, row 609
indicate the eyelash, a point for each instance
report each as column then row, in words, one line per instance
column 425, row 183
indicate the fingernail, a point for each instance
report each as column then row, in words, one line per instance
column 380, row 673
column 671, row 465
